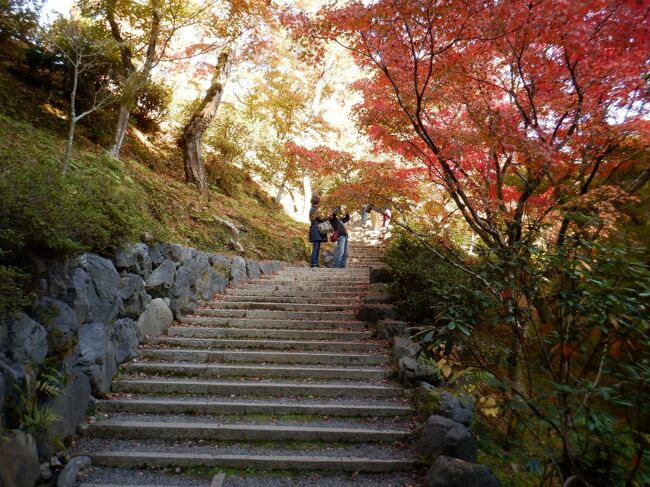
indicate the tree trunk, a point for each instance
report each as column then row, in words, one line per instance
column 190, row 142
column 120, row 128
column 68, row 145
column 134, row 81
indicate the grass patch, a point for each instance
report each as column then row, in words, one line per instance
column 103, row 202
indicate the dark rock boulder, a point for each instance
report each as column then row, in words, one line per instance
column 72, row 469
column 71, row 404
column 442, row 436
column 133, row 295
column 238, row 270
column 196, row 280
column 379, row 274
column 459, row 409
column 177, row 253
column 134, row 258
column 156, row 255
column 453, row 472
column 411, row 372
column 253, row 269
column 405, row 347
column 19, row 466
column 26, row 341
column 155, row 320
column 60, row 322
column 390, row 328
column 266, row 267
column 161, row 280
column 96, row 356
column 374, row 312
column 124, row 339
column 92, row 291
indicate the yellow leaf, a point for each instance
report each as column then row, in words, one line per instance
column 446, row 370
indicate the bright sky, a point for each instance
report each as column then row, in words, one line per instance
column 51, row 6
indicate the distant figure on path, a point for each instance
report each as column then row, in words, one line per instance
column 338, row 224
column 387, row 216
column 365, row 213
column 315, row 237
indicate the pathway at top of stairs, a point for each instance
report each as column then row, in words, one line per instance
column 275, row 374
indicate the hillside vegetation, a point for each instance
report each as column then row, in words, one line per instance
column 103, row 202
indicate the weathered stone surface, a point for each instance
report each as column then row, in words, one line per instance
column 19, row 466
column 156, row 255
column 253, row 269
column 155, row 320
column 459, row 409
column 374, row 312
column 2, row 398
column 389, row 328
column 124, row 339
column 60, row 322
column 442, row 436
column 221, row 261
column 92, row 291
column 266, row 267
column 160, row 282
column 96, row 356
column 177, row 253
column 196, row 280
column 405, row 347
column 71, row 404
column 13, row 376
column 278, row 265
column 68, row 476
column 378, row 298
column 453, row 472
column 26, row 341
column 4, row 333
column 379, row 274
column 134, row 258
column 238, row 270
column 133, row 295
column 411, row 372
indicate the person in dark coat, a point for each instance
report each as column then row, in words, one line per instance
column 315, row 237
column 338, row 225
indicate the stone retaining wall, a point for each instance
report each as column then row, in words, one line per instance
column 90, row 313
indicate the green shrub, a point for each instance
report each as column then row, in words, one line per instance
column 430, row 290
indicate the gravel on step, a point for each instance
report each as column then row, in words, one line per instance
column 395, row 451
column 391, row 422
column 161, row 478
column 342, row 401
column 397, row 479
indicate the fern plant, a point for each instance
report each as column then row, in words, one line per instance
column 34, row 416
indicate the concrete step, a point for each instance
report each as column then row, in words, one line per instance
column 266, row 356
column 155, row 405
column 313, row 289
column 268, row 314
column 298, row 300
column 211, row 343
column 288, row 334
column 313, row 279
column 187, row 430
column 277, row 305
column 310, row 294
column 268, row 389
column 247, row 461
column 257, row 371
column 271, row 323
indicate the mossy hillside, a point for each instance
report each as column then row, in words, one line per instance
column 103, row 202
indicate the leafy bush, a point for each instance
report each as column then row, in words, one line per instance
column 430, row 290
column 152, row 105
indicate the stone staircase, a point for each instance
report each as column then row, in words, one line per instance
column 275, row 374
